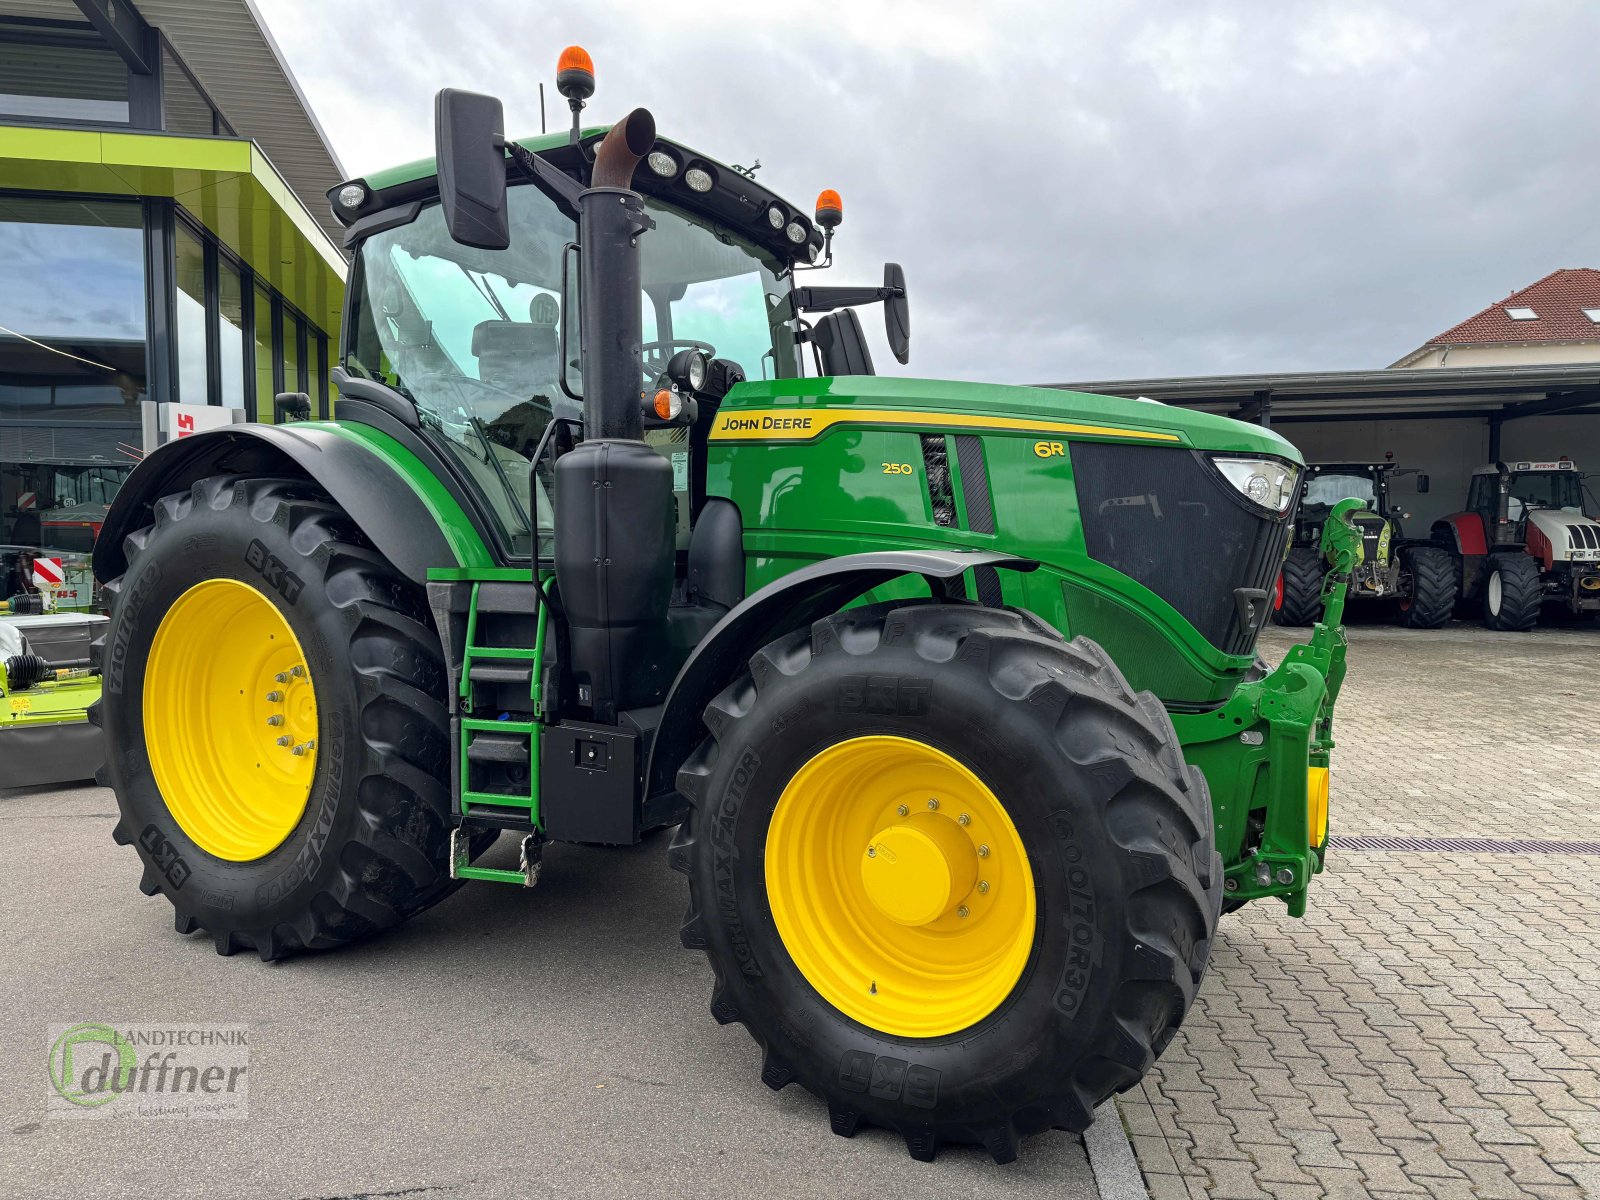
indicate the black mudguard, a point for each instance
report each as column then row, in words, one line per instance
column 378, row 500
column 793, row 602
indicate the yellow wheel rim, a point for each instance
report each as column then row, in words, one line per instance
column 1317, row 805
column 900, row 887
column 230, row 717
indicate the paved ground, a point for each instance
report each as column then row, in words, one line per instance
column 1430, row 1028
column 1433, row 1026
column 554, row 1042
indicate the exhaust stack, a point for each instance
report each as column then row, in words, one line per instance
column 615, row 539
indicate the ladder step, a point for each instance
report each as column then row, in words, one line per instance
column 498, row 748
column 500, row 673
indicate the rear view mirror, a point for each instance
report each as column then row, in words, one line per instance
column 897, row 312
column 469, row 135
column 1422, row 482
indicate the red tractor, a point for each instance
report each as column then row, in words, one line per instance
column 1525, row 541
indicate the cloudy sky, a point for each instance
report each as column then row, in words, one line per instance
column 1076, row 190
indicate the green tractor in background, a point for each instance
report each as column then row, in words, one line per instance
column 1419, row 576
column 948, row 688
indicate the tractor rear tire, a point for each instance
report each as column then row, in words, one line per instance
column 1434, row 584
column 1512, row 593
column 370, row 847
column 1300, row 602
column 1114, row 842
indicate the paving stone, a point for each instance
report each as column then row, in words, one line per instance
column 1430, row 1027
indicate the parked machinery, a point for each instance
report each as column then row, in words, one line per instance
column 1418, row 575
column 950, row 688
column 1524, row 541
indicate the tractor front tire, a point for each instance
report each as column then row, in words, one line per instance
column 284, row 681
column 1512, row 593
column 1300, row 601
column 1434, row 583
column 950, row 872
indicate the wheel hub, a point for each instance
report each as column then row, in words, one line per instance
column 917, row 872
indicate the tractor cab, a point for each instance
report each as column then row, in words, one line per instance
column 1505, row 495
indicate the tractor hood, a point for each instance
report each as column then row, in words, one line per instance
column 802, row 409
column 1572, row 535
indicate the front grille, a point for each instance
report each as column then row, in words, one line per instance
column 1583, row 537
column 1163, row 516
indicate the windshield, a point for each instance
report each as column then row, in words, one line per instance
column 473, row 337
column 1326, row 490
column 1548, row 489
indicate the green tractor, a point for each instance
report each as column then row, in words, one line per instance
column 1417, row 575
column 949, row 689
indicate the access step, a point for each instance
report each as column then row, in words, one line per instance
column 529, row 867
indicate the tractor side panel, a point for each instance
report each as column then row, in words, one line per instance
column 853, row 488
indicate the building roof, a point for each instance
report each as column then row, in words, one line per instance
column 225, row 43
column 1556, row 304
column 227, row 46
column 1506, row 392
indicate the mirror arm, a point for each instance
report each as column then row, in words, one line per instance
column 556, row 184
column 826, row 299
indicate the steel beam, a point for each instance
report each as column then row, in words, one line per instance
column 123, row 28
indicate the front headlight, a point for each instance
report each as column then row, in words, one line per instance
column 1266, row 482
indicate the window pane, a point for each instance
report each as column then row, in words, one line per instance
column 185, row 108
column 265, row 356
column 230, row 297
column 72, row 368
column 189, row 268
column 69, row 76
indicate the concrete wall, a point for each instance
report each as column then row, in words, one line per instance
column 1448, row 450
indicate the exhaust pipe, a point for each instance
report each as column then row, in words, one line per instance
column 615, row 539
column 628, row 142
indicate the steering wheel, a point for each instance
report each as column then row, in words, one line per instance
column 656, row 355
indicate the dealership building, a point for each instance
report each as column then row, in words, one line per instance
column 163, row 237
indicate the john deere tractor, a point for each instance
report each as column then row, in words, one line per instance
column 949, row 689
column 1419, row 576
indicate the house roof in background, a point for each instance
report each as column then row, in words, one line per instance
column 1558, row 303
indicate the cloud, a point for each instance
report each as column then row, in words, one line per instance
column 1076, row 192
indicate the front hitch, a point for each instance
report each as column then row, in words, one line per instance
column 1265, row 752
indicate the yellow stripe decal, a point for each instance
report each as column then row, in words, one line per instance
column 799, row 424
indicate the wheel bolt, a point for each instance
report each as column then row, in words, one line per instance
column 932, row 805
column 281, row 677
column 297, row 671
column 284, row 740
column 983, row 852
column 872, row 852
column 298, row 751
column 963, row 819
column 274, row 697
column 903, row 810
column 963, row 911
column 983, row 887
column 275, row 719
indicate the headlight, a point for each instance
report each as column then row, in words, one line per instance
column 687, row 369
column 351, row 195
column 1267, row 482
column 775, row 216
column 698, row 178
column 796, row 232
column 663, row 164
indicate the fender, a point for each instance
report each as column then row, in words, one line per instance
column 394, row 499
column 784, row 605
column 1463, row 533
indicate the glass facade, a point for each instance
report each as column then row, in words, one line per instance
column 108, row 302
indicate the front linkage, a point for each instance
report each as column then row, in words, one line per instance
column 1272, row 821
